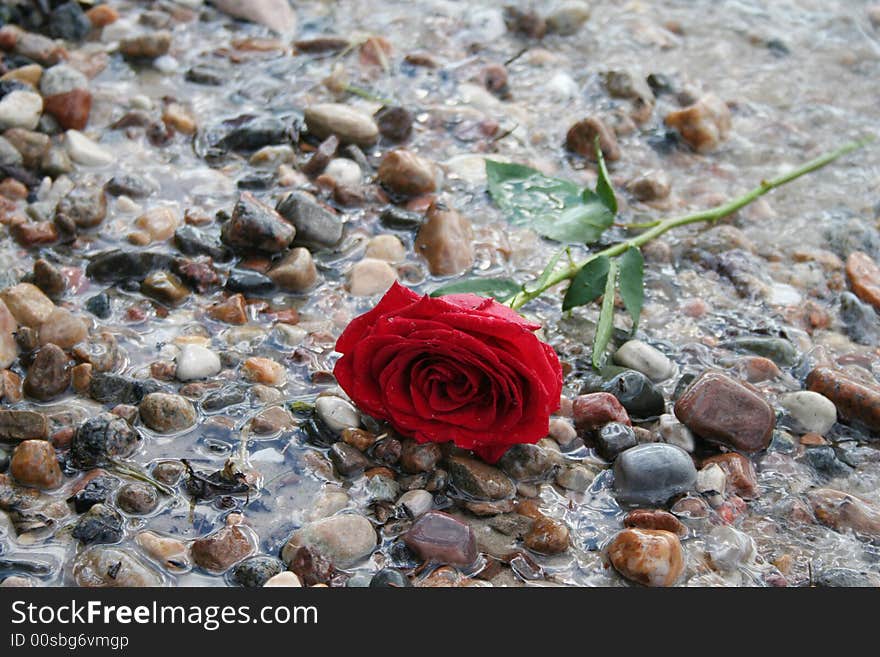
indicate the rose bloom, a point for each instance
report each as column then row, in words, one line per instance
column 458, row 367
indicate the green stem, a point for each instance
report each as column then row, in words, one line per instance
column 656, row 229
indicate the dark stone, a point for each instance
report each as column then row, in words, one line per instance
column 254, row 133
column 528, row 463
column 824, row 461
column 311, row 567
column 614, row 438
column 859, row 319
column 347, row 460
column 219, row 399
column 49, row 374
column 126, row 184
column 69, row 22
column 97, row 491
column 415, row 457
column 389, row 578
column 249, row 282
column 115, row 266
column 257, row 180
column 637, row 394
column 207, row 75
column 661, row 83
column 316, row 227
column 437, row 536
column 115, row 389
column 49, row 278
column 400, row 219
column 137, row 498
column 479, row 480
column 255, row 226
column 651, row 474
column 779, row 350
column 319, row 160
column 395, row 123
column 387, row 451
column 254, row 572
column 100, row 524
column 100, row 438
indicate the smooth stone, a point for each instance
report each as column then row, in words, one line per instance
column 296, row 272
column 169, row 552
column 386, row 247
column 614, row 438
column 22, row 424
column 642, row 357
column 114, row 266
column 34, row 464
column 445, row 240
column 389, row 578
column 675, row 433
column 103, row 438
column 337, row 414
column 812, row 412
column 479, row 480
column 581, row 136
column 844, row 512
column 86, row 206
column 286, row 579
column 49, row 374
column 60, row 79
column 547, row 536
column 28, row 304
column 779, row 350
column 344, row 172
column 655, row 519
column 102, row 566
column 637, row 394
column 344, row 539
column 863, row 275
column 20, row 109
column 146, row 46
column 594, row 410
column 721, row 410
column 277, row 15
column 69, row 21
column 196, row 362
column 653, row 473
column 407, row 174
column 395, row 123
column 855, row 400
column 416, row 502
column 823, row 459
column 255, row 226
column 264, row 370
column 741, row 477
column 860, row 320
column 218, row 551
column 347, row 460
column 250, row 283
column 137, row 498
column 703, row 125
column 369, row 277
column 437, row 536
column 575, row 477
column 83, row 150
column 529, row 463
column 652, row 557
column 711, row 483
column 316, row 227
column 255, row 572
column 62, row 328
column 8, row 344
column 256, row 133
column 167, row 413
column 347, row 123
column 164, row 287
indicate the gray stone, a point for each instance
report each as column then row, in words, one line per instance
column 343, row 540
column 640, row 356
column 416, row 502
column 653, row 473
column 316, row 227
column 60, row 79
column 811, row 411
column 167, row 413
column 336, row 413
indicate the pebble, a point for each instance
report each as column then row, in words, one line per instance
column 655, row 519
column 863, row 275
column 255, row 226
column 855, row 400
column 102, row 438
column 652, row 557
column 675, row 433
column 644, row 358
column 386, row 247
column 370, row 276
column 703, row 125
column 316, row 227
column 653, row 473
column 478, row 480
column 286, row 579
column 530, row 463
column 100, row 524
column 34, row 464
column 62, row 328
column 845, row 512
column 779, row 350
column 159, row 223
column 264, row 370
column 575, row 477
column 60, row 79
column 567, row 18
column 582, row 135
column 614, row 438
column 344, row 539
column 395, row 123
column 137, row 498
column 8, row 345
column 277, row 15
column 296, row 272
column 719, row 409
column 547, row 536
column 337, row 414
column 651, row 186
column 389, row 578
column 20, row 109
column 22, row 424
column 347, row 460
column 445, row 240
column 730, row 549
column 419, row 457
column 195, row 362
column 84, row 151
column 28, row 304
column 146, row 46
column 103, row 566
column 741, row 477
column 417, row 502
column 407, row 174
column 349, row 124
column 69, row 21
column 637, row 394
column 167, row 413
column 165, row 287
column 438, row 537
column 712, row 482
column 344, row 172
column 218, row 551
column 49, row 374
column 812, row 412
column 169, row 552
column 255, row 572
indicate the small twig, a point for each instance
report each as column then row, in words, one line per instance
column 516, row 56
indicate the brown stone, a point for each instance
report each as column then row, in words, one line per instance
column 702, row 125
column 445, row 240
column 725, row 411
column 34, row 233
column 71, row 109
column 863, row 275
column 655, row 519
column 652, row 557
column 220, row 550
column 102, row 15
column 547, row 536
column 407, row 174
column 49, row 373
column 18, row 425
column 164, row 287
column 62, row 328
column 855, row 400
column 10, row 386
column 582, row 135
column 28, row 304
column 359, row 439
column 479, row 480
column 416, row 457
column 231, row 311
column 597, row 409
column 844, row 512
column 741, row 478
column 437, row 536
column 8, row 345
column 264, row 370
column 34, row 464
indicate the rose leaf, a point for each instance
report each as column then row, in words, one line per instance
column 606, row 318
column 604, row 189
column 632, row 290
column 501, row 289
column 587, row 284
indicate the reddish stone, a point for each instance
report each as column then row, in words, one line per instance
column 34, row 464
column 757, row 369
column 855, row 400
column 287, row 316
column 102, row 15
column 652, row 557
column 231, row 311
column 655, row 519
column 61, row 439
column 29, row 233
column 71, row 109
column 741, row 478
column 598, row 409
column 863, row 275
column 13, row 189
column 437, row 536
column 725, row 411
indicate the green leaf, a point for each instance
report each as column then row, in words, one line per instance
column 500, row 289
column 604, row 189
column 542, row 280
column 606, row 318
column 555, row 208
column 632, row 288
column 587, row 284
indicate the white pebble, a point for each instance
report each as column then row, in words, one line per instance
column 283, row 579
column 345, row 172
column 675, row 433
column 417, row 502
column 730, row 548
column 814, row 413
column 20, row 109
column 196, row 362
column 83, row 150
column 166, row 64
column 640, row 356
column 337, row 413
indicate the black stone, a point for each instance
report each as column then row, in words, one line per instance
column 824, row 461
column 207, row 75
column 395, row 123
column 69, row 22
column 254, row 133
column 316, row 227
column 254, row 572
column 192, row 241
column 114, row 266
column 220, row 399
column 637, row 393
column 614, row 438
column 100, row 524
column 99, row 305
column 109, row 388
column 400, row 219
column 97, row 491
column 105, row 436
column 389, row 578
column 249, row 282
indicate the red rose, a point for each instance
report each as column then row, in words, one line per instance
column 459, row 367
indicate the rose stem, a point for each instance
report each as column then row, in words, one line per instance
column 657, row 228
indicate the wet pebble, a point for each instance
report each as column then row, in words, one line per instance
column 34, row 464
column 264, row 370
column 845, row 512
column 100, row 524
column 218, row 551
column 137, row 498
column 316, row 226
column 811, row 411
column 445, row 240
column 740, row 473
column 856, row 400
column 479, row 480
column 296, row 272
column 255, row 572
column 101, row 438
column 437, row 536
column 284, row 579
column 581, row 136
column 614, row 438
column 703, row 125
column 652, row 557
column 20, row 109
column 370, row 276
column 28, row 304
column 84, row 151
column 547, row 536
column 347, row 460
column 575, row 477
column 644, row 358
column 637, row 394
column 655, row 519
column 342, row 539
column 863, row 275
column 49, row 374
column 168, row 551
column 20, row 424
column 255, row 226
column 196, row 362
column 350, row 125
column 529, row 462
column 416, row 502
column 167, row 413
column 405, row 173
column 389, row 578
column 653, row 473
column 102, row 566
column 337, row 414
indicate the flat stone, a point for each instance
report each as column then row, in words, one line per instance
column 719, row 409
column 342, row 539
column 347, row 123
column 845, row 512
column 438, row 537
column 479, row 480
column 103, row 566
column 217, row 552
column 856, row 400
column 8, row 345
column 652, row 473
column 255, row 226
column 652, row 557
column 18, row 425
column 316, row 226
